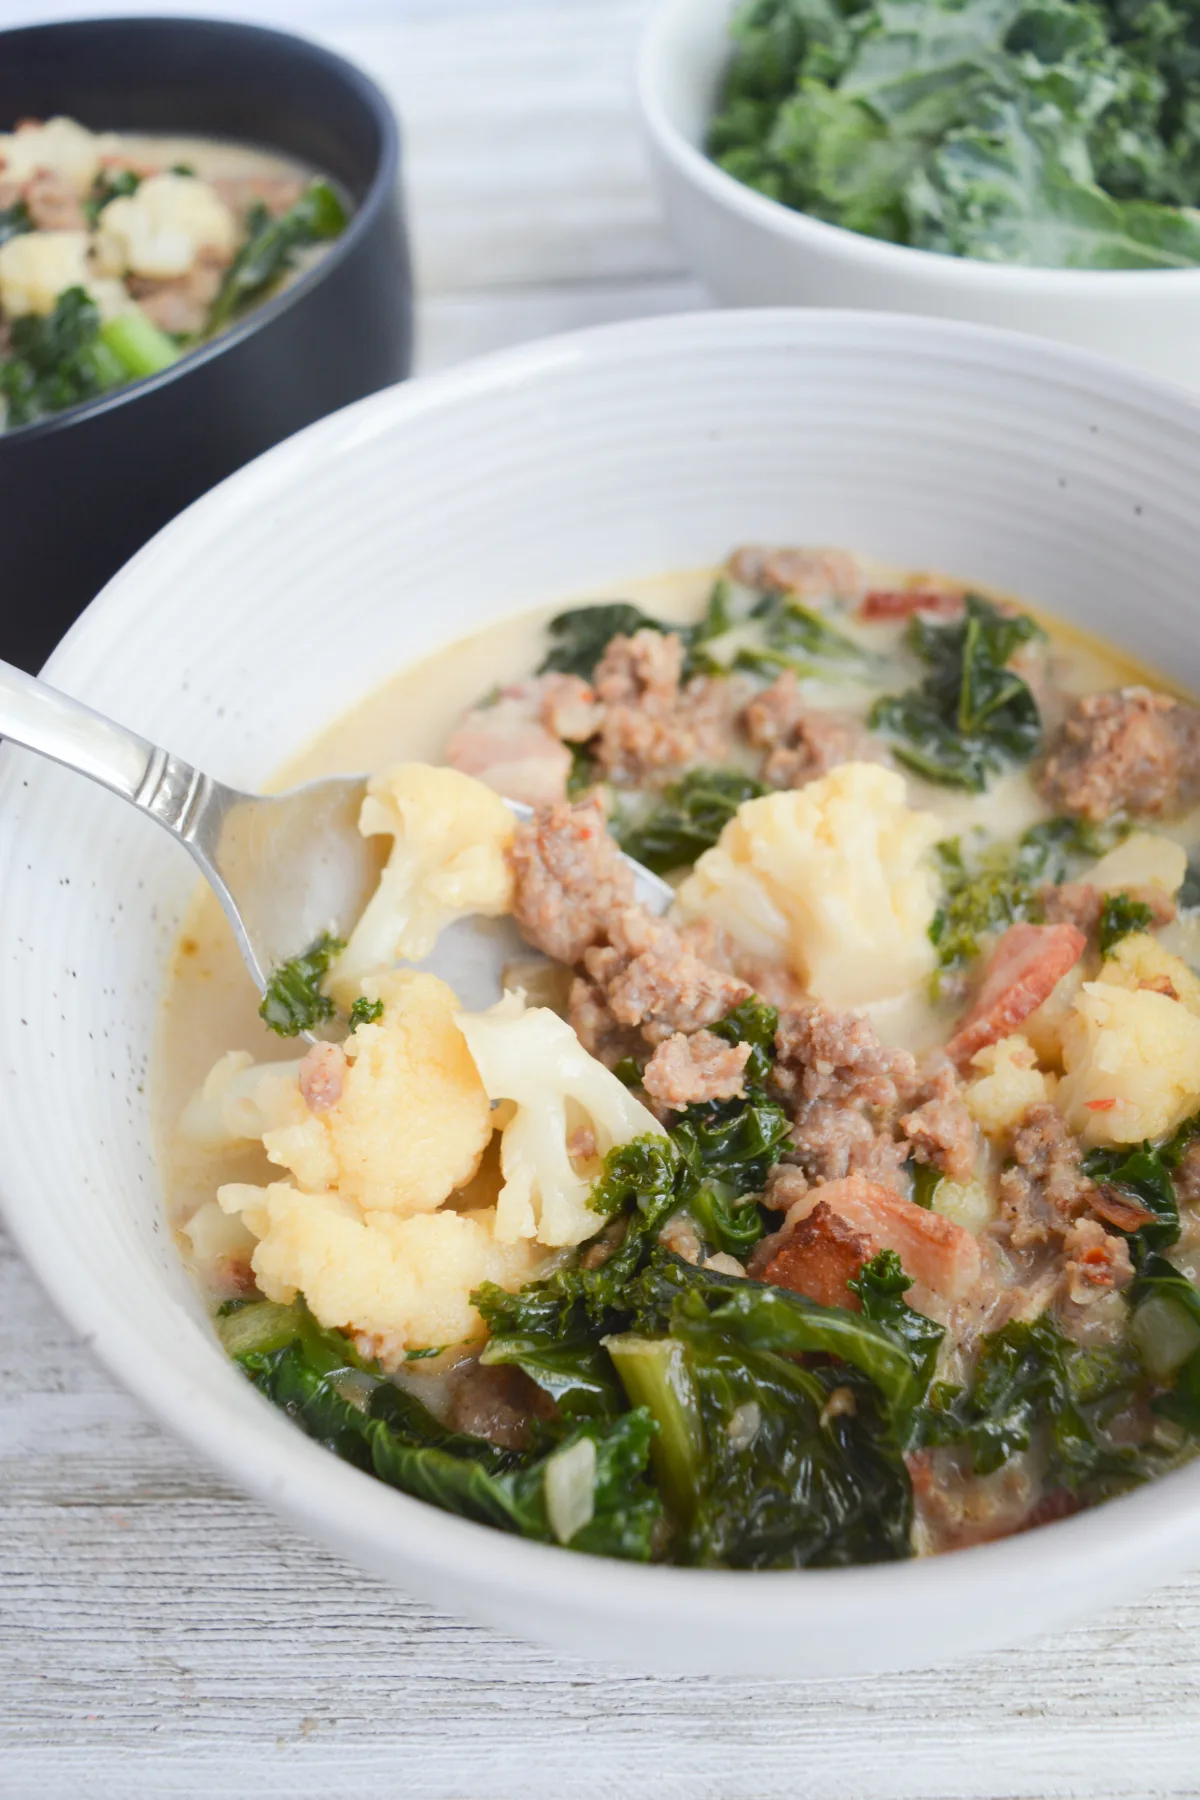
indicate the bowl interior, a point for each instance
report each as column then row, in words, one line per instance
column 396, row 526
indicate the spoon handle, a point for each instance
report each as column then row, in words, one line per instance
column 54, row 725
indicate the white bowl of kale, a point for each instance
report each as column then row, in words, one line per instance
column 1034, row 166
column 763, row 1497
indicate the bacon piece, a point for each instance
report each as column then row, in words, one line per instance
column 888, row 603
column 1117, row 1211
column 820, row 1257
column 507, row 745
column 1025, row 967
column 935, row 1252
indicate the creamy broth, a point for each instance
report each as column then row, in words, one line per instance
column 496, row 1223
column 210, row 1001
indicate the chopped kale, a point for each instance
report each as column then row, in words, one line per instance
column 1119, row 916
column 14, row 220
column 788, row 1481
column 797, row 638
column 752, row 1022
column 1043, row 132
column 1145, row 1173
column 688, row 818
column 293, row 1001
column 1033, row 1383
column 1188, row 897
column 56, row 361
column 110, row 184
column 767, row 632
column 584, row 772
column 987, row 889
column 271, row 246
column 972, row 716
column 579, row 638
column 365, row 1012
column 881, row 1285
column 1166, row 1336
column 318, row 1379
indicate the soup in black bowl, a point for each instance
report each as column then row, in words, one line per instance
column 203, row 251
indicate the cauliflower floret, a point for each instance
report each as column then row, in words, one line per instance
column 532, row 1057
column 396, row 1284
column 830, row 878
column 1132, row 1060
column 37, row 266
column 59, row 146
column 965, row 1203
column 449, row 859
column 221, row 1247
column 242, row 1099
column 160, row 230
column 1010, row 1082
column 1139, row 961
column 1044, row 1028
column 1145, row 859
column 411, row 1120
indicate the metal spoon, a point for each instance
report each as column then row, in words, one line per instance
column 285, row 867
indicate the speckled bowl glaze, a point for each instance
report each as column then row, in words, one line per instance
column 393, row 527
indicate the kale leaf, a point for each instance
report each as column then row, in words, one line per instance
column 788, row 1481
column 579, row 638
column 972, row 715
column 364, row 1012
column 1031, row 1382
column 688, row 818
column 270, row 249
column 293, row 1001
column 1145, row 1173
column 56, row 361
column 797, row 638
column 987, row 889
column 1165, row 1333
column 1119, row 916
column 110, row 184
column 317, row 1379
column 881, row 1285
column 14, row 220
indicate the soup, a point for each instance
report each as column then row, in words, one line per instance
column 120, row 251
column 844, row 1213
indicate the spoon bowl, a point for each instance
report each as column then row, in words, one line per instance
column 287, row 868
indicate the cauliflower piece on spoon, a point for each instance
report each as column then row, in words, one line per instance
column 449, row 860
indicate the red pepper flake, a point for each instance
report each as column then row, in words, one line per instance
column 1101, row 1105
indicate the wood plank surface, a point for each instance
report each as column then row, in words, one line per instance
column 162, row 1636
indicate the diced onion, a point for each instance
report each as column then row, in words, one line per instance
column 1163, row 1335
column 571, row 1489
column 743, row 1425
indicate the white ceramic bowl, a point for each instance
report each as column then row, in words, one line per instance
column 399, row 524
column 752, row 251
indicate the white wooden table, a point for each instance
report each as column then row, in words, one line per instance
column 161, row 1636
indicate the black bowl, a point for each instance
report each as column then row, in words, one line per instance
column 81, row 491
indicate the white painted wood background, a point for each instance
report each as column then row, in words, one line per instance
column 161, row 1636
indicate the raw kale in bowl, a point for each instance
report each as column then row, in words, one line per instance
column 1050, row 133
